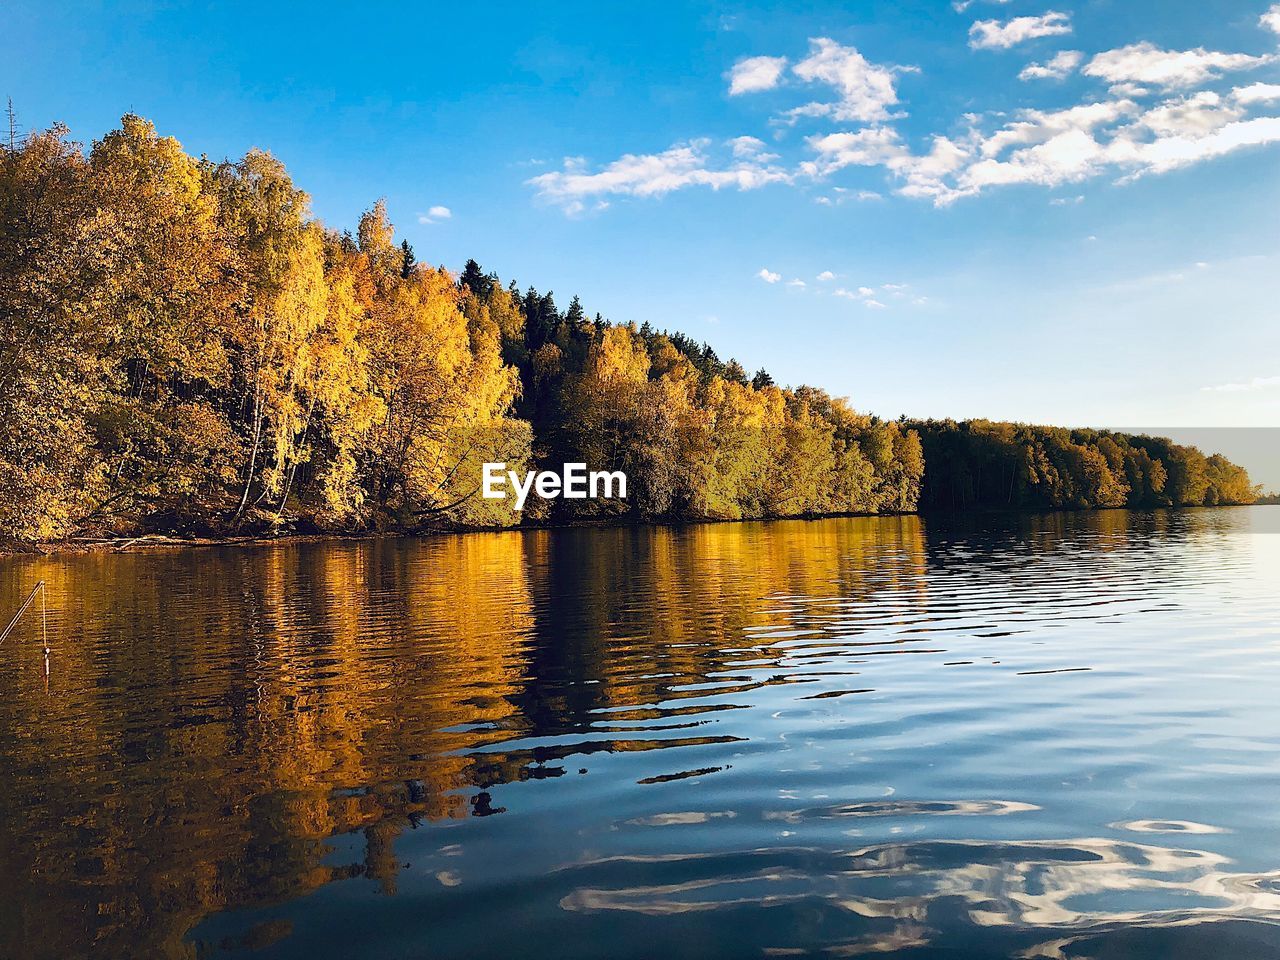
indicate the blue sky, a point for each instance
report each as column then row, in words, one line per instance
column 989, row 253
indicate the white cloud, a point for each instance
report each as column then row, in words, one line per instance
column 866, row 148
column 1067, row 201
column 755, row 74
column 1063, row 158
column 1052, row 148
column 1036, row 126
column 1196, row 115
column 797, row 282
column 435, row 215
column 842, row 194
column 651, row 175
column 1271, row 19
column 1144, row 62
column 1257, row 383
column 960, row 6
column 1156, row 119
column 995, row 35
column 1056, row 69
column 1174, row 152
column 751, row 148
column 867, row 295
column 925, row 174
column 768, row 276
column 866, row 89
column 1256, row 93
column 826, row 275
column 1132, row 91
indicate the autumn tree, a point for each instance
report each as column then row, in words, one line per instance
column 281, row 302
column 55, row 369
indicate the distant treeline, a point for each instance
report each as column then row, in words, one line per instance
column 985, row 465
column 183, row 348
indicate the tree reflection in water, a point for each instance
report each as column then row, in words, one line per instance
column 229, row 733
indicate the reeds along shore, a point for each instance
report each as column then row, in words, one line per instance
column 184, row 349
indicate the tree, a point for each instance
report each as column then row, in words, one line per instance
column 478, row 282
column 283, row 301
column 734, row 371
column 445, row 390
column 165, row 302
column 55, row 369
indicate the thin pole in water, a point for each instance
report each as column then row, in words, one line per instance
column 38, row 588
column 44, row 631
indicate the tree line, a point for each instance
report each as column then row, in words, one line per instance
column 184, row 348
column 983, row 464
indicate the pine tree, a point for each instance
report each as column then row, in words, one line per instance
column 478, row 282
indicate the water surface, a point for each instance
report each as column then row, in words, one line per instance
column 1025, row 737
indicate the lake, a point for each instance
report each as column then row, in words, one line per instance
column 1040, row 736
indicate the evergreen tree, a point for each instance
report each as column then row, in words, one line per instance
column 709, row 363
column 543, row 318
column 478, row 282
column 734, row 373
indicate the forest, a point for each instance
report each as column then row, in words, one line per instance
column 185, row 349
column 981, row 464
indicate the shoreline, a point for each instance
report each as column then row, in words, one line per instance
column 89, row 545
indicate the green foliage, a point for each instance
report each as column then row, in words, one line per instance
column 981, row 464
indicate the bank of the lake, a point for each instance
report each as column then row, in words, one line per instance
column 161, row 541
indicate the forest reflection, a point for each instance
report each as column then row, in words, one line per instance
column 215, row 717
